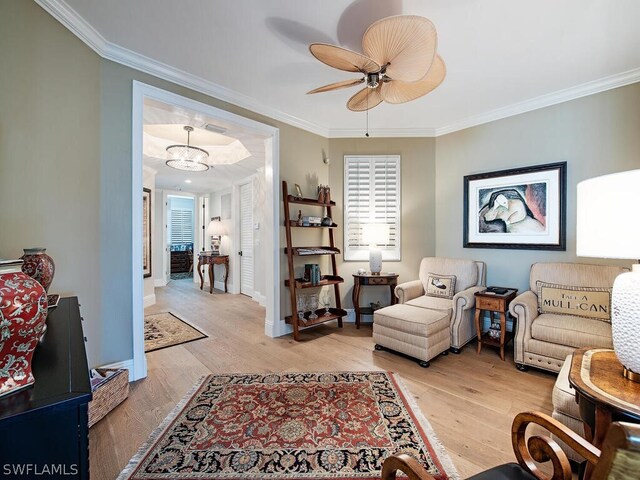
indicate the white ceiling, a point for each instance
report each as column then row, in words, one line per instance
column 503, row 56
column 163, row 125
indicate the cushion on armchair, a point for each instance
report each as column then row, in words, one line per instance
column 571, row 330
column 589, row 302
column 432, row 303
column 465, row 271
column 438, row 285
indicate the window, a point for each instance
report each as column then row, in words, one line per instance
column 371, row 195
column 181, row 226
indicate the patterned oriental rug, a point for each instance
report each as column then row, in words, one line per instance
column 162, row 330
column 290, row 426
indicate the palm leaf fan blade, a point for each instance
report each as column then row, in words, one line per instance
column 407, row 43
column 342, row 58
column 397, row 91
column 337, row 85
column 365, row 99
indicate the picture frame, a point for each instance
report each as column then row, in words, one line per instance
column 298, row 191
column 146, row 232
column 520, row 208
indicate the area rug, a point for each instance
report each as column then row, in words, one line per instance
column 162, row 330
column 290, row 426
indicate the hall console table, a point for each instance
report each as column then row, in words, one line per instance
column 44, row 429
column 211, row 259
column 365, row 279
column 494, row 303
column 603, row 394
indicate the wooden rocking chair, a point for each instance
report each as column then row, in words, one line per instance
column 619, row 459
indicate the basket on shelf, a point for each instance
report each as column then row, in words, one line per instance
column 109, row 393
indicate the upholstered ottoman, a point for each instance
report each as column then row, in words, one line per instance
column 565, row 408
column 418, row 332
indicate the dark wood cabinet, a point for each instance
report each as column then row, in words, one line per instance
column 181, row 261
column 44, row 429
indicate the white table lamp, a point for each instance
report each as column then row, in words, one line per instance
column 608, row 227
column 218, row 228
column 375, row 234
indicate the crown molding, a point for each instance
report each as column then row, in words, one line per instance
column 547, row 100
column 85, row 32
column 381, row 132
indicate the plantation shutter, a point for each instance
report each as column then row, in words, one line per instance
column 371, row 195
column 181, row 226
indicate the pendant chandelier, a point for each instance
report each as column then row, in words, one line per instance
column 187, row 157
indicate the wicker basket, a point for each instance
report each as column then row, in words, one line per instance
column 109, row 394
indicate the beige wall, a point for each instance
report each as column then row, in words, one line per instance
column 50, row 153
column 595, row 135
column 417, row 164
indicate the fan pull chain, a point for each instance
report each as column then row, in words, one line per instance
column 367, row 115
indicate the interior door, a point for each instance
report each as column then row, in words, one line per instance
column 246, row 239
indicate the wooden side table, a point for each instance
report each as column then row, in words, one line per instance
column 389, row 279
column 494, row 303
column 211, row 259
column 602, row 393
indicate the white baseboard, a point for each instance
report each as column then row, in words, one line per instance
column 159, row 282
column 219, row 285
column 351, row 317
column 149, row 300
column 261, row 299
column 128, row 364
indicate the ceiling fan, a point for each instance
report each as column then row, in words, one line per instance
column 399, row 63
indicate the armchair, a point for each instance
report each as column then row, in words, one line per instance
column 470, row 278
column 544, row 340
column 620, row 454
column 425, row 324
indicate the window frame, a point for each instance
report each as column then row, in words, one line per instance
column 351, row 254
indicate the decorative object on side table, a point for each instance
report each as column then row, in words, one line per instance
column 607, row 228
column 375, row 234
column 216, row 229
column 520, row 208
column 39, row 266
column 23, row 313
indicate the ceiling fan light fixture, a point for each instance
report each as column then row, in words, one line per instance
column 187, row 157
column 373, row 80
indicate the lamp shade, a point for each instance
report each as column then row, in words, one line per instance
column 607, row 224
column 375, row 233
column 218, row 227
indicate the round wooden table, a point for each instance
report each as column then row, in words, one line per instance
column 602, row 393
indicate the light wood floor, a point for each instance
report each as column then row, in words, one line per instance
column 470, row 400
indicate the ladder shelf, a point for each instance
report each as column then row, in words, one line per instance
column 295, row 284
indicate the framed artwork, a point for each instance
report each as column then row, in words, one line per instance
column 146, row 232
column 522, row 208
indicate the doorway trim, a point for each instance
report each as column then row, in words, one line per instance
column 142, row 91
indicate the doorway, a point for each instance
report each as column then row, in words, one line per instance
column 270, row 145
